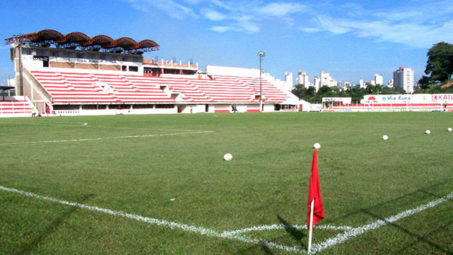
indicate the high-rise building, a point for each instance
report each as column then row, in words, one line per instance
column 361, row 84
column 378, row 79
column 317, row 83
column 303, row 78
column 327, row 80
column 288, row 81
column 404, row 78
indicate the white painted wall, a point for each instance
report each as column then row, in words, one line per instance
column 241, row 108
column 200, row 108
column 115, row 112
column 268, row 108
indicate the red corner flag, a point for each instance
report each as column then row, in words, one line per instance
column 315, row 193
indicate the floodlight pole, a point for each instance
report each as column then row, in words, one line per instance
column 261, row 54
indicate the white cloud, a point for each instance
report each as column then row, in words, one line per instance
column 231, row 20
column 192, row 2
column 213, row 15
column 411, row 34
column 241, row 26
column 170, row 7
column 281, row 9
column 221, row 29
column 417, row 26
column 220, row 4
column 398, row 16
column 310, row 29
column 237, row 16
column 417, row 23
column 334, row 26
column 248, row 27
column 248, row 16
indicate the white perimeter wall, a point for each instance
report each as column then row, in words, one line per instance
column 408, row 98
column 268, row 108
column 225, row 107
column 83, row 112
column 200, row 108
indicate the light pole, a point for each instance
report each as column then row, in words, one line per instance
column 261, row 54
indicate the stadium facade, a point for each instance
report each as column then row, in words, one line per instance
column 75, row 74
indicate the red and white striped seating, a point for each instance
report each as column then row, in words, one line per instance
column 96, row 88
column 15, row 107
column 87, row 88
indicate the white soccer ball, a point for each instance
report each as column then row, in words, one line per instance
column 85, row 124
column 228, row 157
column 450, row 129
column 316, row 146
column 427, row 132
column 385, row 137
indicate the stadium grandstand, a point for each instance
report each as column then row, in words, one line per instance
column 75, row 74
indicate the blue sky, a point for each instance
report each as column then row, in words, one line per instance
column 351, row 40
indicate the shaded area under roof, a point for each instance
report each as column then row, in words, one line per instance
column 104, row 41
column 47, row 37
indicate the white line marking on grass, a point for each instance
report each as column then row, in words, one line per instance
column 343, row 237
column 235, row 235
column 163, row 223
column 91, row 125
column 107, row 138
column 281, row 227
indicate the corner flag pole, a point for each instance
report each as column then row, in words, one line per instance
column 315, row 211
column 310, row 232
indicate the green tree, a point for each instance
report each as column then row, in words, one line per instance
column 335, row 91
column 435, row 89
column 393, row 90
column 439, row 66
column 324, row 90
column 374, row 89
column 311, row 91
column 303, row 93
column 424, row 82
column 356, row 94
column 399, row 90
column 299, row 90
column 378, row 88
column 370, row 88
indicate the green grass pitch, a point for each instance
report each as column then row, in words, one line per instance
column 171, row 168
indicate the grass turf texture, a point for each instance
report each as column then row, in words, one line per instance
column 363, row 179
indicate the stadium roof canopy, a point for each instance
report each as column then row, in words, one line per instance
column 47, row 37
